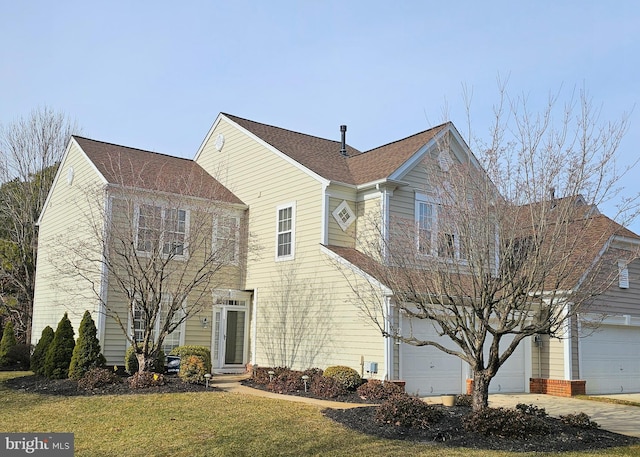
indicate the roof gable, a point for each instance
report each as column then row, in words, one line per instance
column 319, row 155
column 323, row 156
column 136, row 168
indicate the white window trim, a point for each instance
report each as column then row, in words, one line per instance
column 182, row 327
column 344, row 225
column 163, row 210
column 131, row 323
column 435, row 230
column 290, row 256
column 216, row 221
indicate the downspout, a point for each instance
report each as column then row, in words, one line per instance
column 254, row 326
column 324, row 225
column 101, row 318
column 568, row 355
column 384, row 213
column 389, row 342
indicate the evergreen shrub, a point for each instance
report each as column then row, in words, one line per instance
column 86, row 353
column 40, row 352
column 7, row 343
column 58, row 358
column 348, row 377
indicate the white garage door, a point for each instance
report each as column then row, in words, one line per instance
column 610, row 360
column 511, row 377
column 429, row 371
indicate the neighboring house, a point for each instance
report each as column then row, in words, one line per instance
column 307, row 204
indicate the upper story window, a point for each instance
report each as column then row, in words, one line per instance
column 161, row 228
column 285, row 231
column 226, row 238
column 435, row 235
column 175, row 230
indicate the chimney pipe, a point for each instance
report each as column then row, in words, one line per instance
column 343, row 145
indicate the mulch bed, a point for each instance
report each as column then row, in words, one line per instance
column 69, row 387
column 449, row 432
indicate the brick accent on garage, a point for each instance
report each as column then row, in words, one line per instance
column 557, row 387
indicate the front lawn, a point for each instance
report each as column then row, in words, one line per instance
column 205, row 424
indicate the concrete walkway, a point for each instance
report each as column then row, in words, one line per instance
column 615, row 418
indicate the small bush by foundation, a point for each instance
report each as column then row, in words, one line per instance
column 405, row 411
column 375, row 390
column 146, row 379
column 98, row 377
column 346, row 376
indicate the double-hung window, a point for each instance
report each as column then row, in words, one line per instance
column 161, row 230
column 175, row 230
column 426, row 223
column 285, row 231
column 176, row 337
column 149, row 228
column 226, row 239
column 435, row 234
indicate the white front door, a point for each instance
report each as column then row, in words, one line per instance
column 230, row 334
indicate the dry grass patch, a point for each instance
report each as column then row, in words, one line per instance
column 204, row 424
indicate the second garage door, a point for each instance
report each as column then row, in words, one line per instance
column 610, row 360
column 429, row 371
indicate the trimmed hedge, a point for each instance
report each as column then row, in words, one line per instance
column 347, row 377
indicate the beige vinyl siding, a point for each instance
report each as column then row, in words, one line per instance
column 369, row 223
column 337, row 236
column 201, row 233
column 547, row 360
column 61, row 226
column 616, row 301
column 264, row 180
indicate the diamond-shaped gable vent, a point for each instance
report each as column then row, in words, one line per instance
column 343, row 215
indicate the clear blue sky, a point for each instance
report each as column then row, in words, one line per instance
column 154, row 74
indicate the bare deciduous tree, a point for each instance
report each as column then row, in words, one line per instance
column 504, row 246
column 295, row 326
column 30, row 150
column 165, row 240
